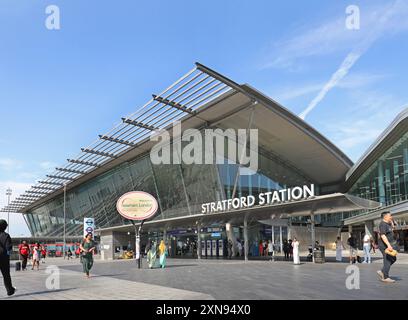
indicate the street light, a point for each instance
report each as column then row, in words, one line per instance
column 8, row 194
column 65, row 194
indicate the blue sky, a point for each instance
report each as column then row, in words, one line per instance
column 59, row 89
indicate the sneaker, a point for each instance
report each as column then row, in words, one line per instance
column 380, row 274
column 388, row 280
column 13, row 291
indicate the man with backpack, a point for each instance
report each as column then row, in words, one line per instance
column 24, row 250
column 5, row 250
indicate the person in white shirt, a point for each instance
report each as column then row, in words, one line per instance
column 339, row 249
column 270, row 250
column 367, row 248
column 295, row 245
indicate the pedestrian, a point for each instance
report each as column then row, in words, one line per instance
column 372, row 245
column 229, row 249
column 5, row 250
column 69, row 254
column 239, row 247
column 162, row 254
column 352, row 243
column 36, row 256
column 270, row 250
column 88, row 249
column 265, row 248
column 261, row 248
column 386, row 244
column 43, row 254
column 295, row 246
column 339, row 249
column 24, row 250
column 290, row 249
column 77, row 252
column 367, row 248
column 151, row 255
column 286, row 249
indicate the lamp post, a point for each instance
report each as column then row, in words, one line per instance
column 65, row 195
column 8, row 194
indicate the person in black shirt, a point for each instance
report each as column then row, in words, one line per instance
column 386, row 241
column 5, row 249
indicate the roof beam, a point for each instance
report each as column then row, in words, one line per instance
column 99, row 153
column 59, row 177
column 28, row 197
column 37, row 192
column 70, row 170
column 44, row 188
column 52, row 183
column 116, row 140
column 86, row 163
column 139, row 124
column 173, row 104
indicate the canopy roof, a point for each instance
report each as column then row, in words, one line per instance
column 200, row 98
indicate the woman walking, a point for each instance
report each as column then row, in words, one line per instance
column 36, row 256
column 87, row 248
column 295, row 245
column 162, row 254
column 339, row 249
column 151, row 255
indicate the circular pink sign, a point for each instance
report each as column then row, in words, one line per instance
column 137, row 205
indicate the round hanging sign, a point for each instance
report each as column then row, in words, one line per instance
column 137, row 205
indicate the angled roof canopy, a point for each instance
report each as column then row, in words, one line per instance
column 200, row 98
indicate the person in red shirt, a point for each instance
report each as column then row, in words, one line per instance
column 43, row 254
column 24, row 250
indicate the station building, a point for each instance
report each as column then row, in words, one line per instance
column 290, row 153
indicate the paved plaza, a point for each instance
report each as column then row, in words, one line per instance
column 189, row 279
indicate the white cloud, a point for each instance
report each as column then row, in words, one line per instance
column 332, row 36
column 363, row 119
column 18, row 226
column 8, row 164
column 352, row 81
column 47, row 165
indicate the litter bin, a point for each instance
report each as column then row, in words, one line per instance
column 319, row 256
column 18, row 266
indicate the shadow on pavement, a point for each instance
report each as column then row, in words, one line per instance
column 39, row 292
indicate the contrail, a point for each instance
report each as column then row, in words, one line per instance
column 352, row 57
column 347, row 63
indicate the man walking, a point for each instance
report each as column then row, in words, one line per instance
column 5, row 249
column 229, row 249
column 24, row 250
column 385, row 243
column 367, row 248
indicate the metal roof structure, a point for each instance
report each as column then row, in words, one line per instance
column 187, row 95
column 202, row 97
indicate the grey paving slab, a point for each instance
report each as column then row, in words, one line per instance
column 219, row 279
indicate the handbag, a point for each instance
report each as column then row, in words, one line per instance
column 392, row 253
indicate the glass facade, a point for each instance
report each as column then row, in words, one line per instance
column 386, row 180
column 179, row 188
